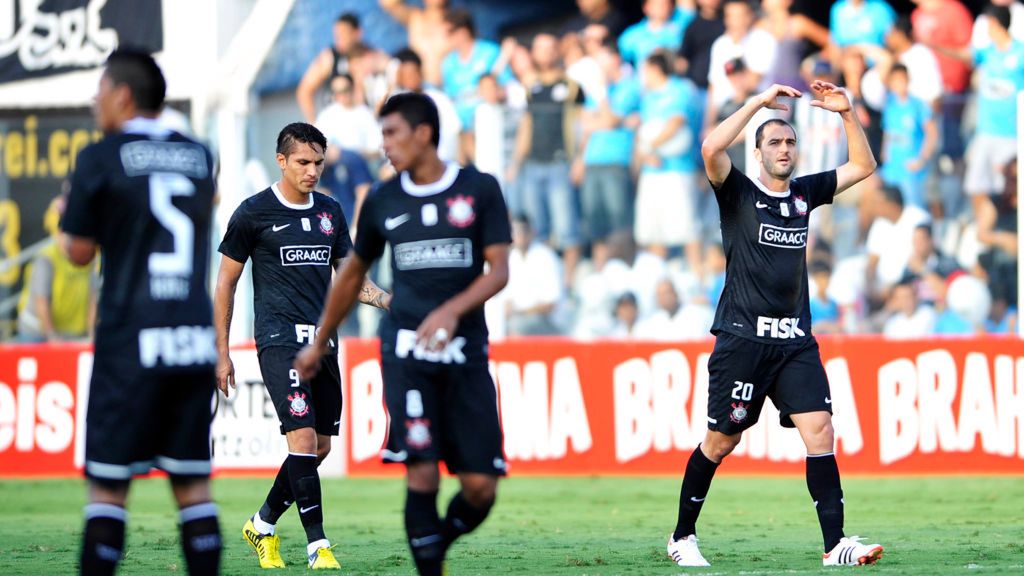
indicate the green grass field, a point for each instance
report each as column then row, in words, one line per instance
column 561, row 526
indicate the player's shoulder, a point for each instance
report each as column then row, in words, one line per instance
column 477, row 180
column 811, row 180
column 256, row 203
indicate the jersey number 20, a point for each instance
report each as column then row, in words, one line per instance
column 163, row 186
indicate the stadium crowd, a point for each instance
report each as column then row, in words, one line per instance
column 593, row 127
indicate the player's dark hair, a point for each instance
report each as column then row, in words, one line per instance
column 892, row 194
column 416, row 109
column 457, row 18
column 1000, row 14
column 759, row 134
column 661, row 60
column 139, row 72
column 296, row 133
column 348, row 18
column 904, row 26
column 409, row 56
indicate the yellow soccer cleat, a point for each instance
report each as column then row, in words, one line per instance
column 323, row 559
column 267, row 546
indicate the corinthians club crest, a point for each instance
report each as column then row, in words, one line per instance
column 326, row 225
column 418, row 434
column 739, row 412
column 460, row 211
column 298, row 407
column 801, row 205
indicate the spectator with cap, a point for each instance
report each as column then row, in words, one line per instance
column 330, row 63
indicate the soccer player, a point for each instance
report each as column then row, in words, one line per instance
column 144, row 194
column 444, row 223
column 764, row 346
column 294, row 237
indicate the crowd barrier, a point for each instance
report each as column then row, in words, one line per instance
column 947, row 406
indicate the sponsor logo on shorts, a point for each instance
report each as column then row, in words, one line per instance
column 305, row 255
column 406, row 343
column 437, row 253
column 418, row 433
column 778, row 327
column 782, row 237
column 299, row 407
column 739, row 412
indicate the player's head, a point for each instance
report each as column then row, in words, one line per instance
column 775, row 148
column 300, row 155
column 410, row 70
column 131, row 85
column 347, row 32
column 411, row 129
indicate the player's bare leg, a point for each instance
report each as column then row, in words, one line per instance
column 826, row 490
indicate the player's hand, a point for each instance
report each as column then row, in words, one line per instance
column 307, row 362
column 225, row 374
column 828, row 96
column 770, row 97
column 437, row 329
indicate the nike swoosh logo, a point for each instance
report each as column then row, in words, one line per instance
column 304, row 510
column 338, row 422
column 698, row 500
column 760, row 204
column 392, row 223
column 828, row 400
column 282, row 227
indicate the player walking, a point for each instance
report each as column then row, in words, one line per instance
column 144, row 194
column 764, row 347
column 294, row 237
column 443, row 224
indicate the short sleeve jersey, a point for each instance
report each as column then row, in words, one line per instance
column 614, row 146
column 438, row 233
column 1001, row 76
column 293, row 248
column 765, row 241
column 145, row 196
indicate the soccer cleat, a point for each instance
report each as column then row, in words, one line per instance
column 850, row 552
column 323, row 559
column 685, row 552
column 267, row 546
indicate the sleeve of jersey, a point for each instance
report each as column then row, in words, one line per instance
column 238, row 239
column 80, row 215
column 820, row 187
column 727, row 194
column 369, row 240
column 496, row 228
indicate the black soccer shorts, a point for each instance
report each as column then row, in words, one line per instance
column 314, row 403
column 140, row 419
column 443, row 412
column 742, row 373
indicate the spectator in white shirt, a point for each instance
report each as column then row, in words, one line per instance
column 534, row 283
column 673, row 320
column 755, row 46
column 908, row 318
column 890, row 241
column 348, row 124
column 922, row 66
column 410, row 78
column 626, row 314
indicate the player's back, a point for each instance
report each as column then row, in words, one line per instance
column 145, row 195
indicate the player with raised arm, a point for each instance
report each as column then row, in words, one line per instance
column 444, row 223
column 144, row 194
column 763, row 341
column 294, row 237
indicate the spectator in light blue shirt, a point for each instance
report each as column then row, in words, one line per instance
column 663, row 27
column 824, row 310
column 853, row 22
column 909, row 138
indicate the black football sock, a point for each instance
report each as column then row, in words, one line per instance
column 423, row 529
column 696, row 483
column 827, row 493
column 200, row 539
column 305, row 483
column 462, row 518
column 102, row 539
column 279, row 498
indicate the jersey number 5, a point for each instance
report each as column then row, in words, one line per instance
column 163, row 186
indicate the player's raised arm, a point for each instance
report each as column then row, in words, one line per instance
column 716, row 160
column 223, row 310
column 861, row 161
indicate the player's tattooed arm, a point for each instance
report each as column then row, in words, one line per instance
column 373, row 295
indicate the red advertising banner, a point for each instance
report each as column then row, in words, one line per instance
column 922, row 407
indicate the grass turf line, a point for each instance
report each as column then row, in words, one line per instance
column 580, row 526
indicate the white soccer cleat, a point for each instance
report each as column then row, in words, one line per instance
column 685, row 551
column 850, row 552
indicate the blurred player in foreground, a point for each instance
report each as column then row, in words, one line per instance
column 763, row 341
column 444, row 223
column 144, row 194
column 294, row 237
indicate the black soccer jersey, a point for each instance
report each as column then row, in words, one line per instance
column 437, row 233
column 145, row 196
column 765, row 241
column 293, row 248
